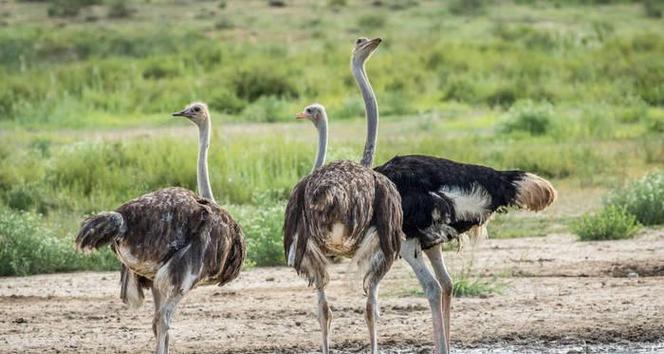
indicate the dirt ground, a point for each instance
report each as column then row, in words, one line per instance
column 557, row 295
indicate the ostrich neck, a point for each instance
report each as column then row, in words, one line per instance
column 202, row 176
column 322, row 143
column 371, row 107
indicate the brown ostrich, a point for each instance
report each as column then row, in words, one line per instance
column 344, row 209
column 170, row 240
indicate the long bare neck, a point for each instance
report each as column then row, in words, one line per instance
column 203, row 179
column 322, row 143
column 371, row 108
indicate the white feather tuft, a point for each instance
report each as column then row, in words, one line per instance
column 469, row 204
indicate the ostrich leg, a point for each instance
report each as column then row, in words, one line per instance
column 157, row 305
column 324, row 318
column 435, row 255
column 371, row 288
column 166, row 311
column 411, row 251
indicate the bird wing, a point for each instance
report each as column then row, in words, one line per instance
column 158, row 225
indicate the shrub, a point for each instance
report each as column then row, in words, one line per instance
column 467, row 7
column 119, row 9
column 251, row 84
column 337, row 3
column 224, row 22
column 371, row 21
column 610, row 223
column 27, row 247
column 644, row 199
column 68, row 8
column 653, row 8
column 262, row 226
column 530, row 117
column 267, row 109
column 276, row 3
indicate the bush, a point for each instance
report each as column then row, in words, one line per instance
column 530, row 117
column 467, row 7
column 262, row 226
column 337, row 3
column 644, row 199
column 119, row 9
column 26, row 247
column 653, row 8
column 68, row 8
column 610, row 223
column 267, row 109
column 251, row 84
column 276, row 3
column 371, row 21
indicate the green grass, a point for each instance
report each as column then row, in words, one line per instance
column 571, row 91
column 610, row 223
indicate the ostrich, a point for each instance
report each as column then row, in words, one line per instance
column 170, row 240
column 344, row 209
column 442, row 199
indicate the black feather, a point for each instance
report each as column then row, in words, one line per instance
column 417, row 177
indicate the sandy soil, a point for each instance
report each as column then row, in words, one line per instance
column 557, row 295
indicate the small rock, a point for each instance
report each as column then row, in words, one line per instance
column 632, row 275
column 20, row 320
column 269, row 279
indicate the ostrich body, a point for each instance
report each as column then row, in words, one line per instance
column 170, row 240
column 442, row 199
column 343, row 209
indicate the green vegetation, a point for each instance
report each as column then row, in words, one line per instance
column 610, row 223
column 472, row 287
column 625, row 210
column 644, row 199
column 570, row 90
column 26, row 247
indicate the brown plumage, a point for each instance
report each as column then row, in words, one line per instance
column 170, row 240
column 332, row 211
column 344, row 209
column 172, row 228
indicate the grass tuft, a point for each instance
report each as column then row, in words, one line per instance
column 610, row 223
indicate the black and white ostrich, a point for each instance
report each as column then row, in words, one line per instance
column 170, row 240
column 442, row 199
column 344, row 209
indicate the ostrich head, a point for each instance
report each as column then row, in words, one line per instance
column 315, row 113
column 363, row 49
column 196, row 112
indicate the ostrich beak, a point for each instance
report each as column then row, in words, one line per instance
column 373, row 44
column 180, row 114
column 302, row 115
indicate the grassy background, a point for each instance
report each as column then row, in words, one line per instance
column 571, row 90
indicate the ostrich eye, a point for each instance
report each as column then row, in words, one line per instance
column 309, row 110
column 197, row 109
column 359, row 40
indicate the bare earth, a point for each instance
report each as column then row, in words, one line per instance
column 558, row 295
